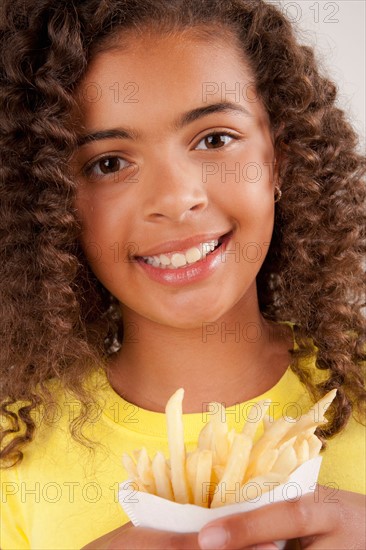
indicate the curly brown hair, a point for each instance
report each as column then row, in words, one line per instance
column 57, row 320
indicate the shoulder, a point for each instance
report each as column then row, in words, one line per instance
column 344, row 459
column 52, row 420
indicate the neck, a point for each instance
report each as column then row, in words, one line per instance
column 234, row 359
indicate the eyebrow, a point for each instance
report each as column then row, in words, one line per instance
column 181, row 122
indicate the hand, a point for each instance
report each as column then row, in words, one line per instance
column 326, row 519
column 140, row 538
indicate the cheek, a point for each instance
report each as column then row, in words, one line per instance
column 244, row 189
column 104, row 219
column 96, row 231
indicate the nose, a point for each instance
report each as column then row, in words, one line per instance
column 173, row 191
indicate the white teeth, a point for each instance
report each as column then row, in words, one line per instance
column 179, row 259
column 193, row 255
column 208, row 247
column 164, row 260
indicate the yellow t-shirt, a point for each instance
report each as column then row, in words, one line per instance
column 63, row 496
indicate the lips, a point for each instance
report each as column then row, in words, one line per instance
column 180, row 259
column 177, row 254
column 190, row 273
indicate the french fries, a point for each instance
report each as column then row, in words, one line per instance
column 227, row 467
column 177, row 450
column 161, row 475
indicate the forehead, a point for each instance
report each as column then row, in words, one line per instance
column 160, row 74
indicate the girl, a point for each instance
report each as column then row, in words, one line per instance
column 182, row 206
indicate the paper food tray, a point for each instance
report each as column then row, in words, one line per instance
column 146, row 510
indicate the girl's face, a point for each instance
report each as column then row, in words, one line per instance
column 181, row 155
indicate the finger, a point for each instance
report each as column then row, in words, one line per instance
column 151, row 539
column 279, row 521
column 140, row 538
column 263, row 546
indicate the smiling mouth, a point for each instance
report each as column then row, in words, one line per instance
column 176, row 260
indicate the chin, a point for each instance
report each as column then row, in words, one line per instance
column 190, row 319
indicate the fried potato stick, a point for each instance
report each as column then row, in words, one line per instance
column 177, row 450
column 162, row 477
column 234, row 471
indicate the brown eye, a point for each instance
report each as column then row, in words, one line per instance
column 217, row 140
column 109, row 164
column 105, row 166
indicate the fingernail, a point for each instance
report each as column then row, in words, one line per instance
column 213, row 538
